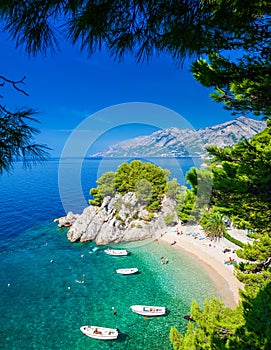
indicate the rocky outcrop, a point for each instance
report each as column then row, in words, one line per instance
column 121, row 219
column 68, row 220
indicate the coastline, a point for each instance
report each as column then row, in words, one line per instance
column 210, row 256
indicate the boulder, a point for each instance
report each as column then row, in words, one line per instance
column 68, row 220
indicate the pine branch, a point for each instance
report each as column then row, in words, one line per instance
column 14, row 83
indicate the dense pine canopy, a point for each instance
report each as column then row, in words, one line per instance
column 241, row 191
column 148, row 181
column 242, row 181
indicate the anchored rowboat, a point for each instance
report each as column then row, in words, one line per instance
column 116, row 252
column 127, row 271
column 100, row 332
column 149, row 310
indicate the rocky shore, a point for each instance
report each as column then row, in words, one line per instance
column 68, row 220
column 119, row 219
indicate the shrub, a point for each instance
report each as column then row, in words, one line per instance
column 169, row 219
column 233, row 240
column 149, row 217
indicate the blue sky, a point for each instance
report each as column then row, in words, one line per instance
column 68, row 87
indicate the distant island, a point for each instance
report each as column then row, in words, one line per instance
column 175, row 142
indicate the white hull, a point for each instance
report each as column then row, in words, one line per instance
column 127, row 271
column 100, row 332
column 149, row 310
column 116, row 252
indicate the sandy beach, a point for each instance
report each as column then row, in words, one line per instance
column 212, row 257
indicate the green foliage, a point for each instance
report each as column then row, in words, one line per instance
column 143, row 190
column 135, row 216
column 128, row 176
column 106, row 184
column 105, row 188
column 118, row 204
column 169, row 219
column 256, row 331
column 145, row 179
column 117, row 217
column 185, row 204
column 149, row 217
column 241, row 191
column 154, row 205
column 122, row 178
column 213, row 224
column 233, row 240
column 186, row 28
column 201, row 182
column 16, row 139
column 167, row 174
column 172, row 188
column 256, row 271
column 192, row 178
column 97, row 197
column 176, row 338
column 191, row 203
column 260, row 250
column 218, row 327
column 242, row 85
column 241, row 181
column 214, row 328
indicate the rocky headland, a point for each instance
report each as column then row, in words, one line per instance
column 121, row 218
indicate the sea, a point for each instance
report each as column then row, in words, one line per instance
column 43, row 304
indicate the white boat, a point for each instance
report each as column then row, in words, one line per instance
column 100, row 332
column 149, row 310
column 128, row 271
column 116, row 252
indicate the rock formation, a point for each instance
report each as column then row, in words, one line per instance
column 68, row 220
column 121, row 219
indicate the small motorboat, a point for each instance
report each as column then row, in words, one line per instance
column 128, row 271
column 116, row 252
column 149, row 310
column 100, row 332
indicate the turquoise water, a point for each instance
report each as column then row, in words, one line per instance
column 42, row 306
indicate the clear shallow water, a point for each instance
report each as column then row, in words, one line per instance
column 42, row 306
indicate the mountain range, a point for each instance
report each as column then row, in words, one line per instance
column 175, row 142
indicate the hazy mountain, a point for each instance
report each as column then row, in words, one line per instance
column 175, row 142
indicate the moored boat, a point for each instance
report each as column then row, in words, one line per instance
column 116, row 252
column 128, row 271
column 100, row 332
column 149, row 310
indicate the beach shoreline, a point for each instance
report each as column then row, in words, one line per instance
column 192, row 241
